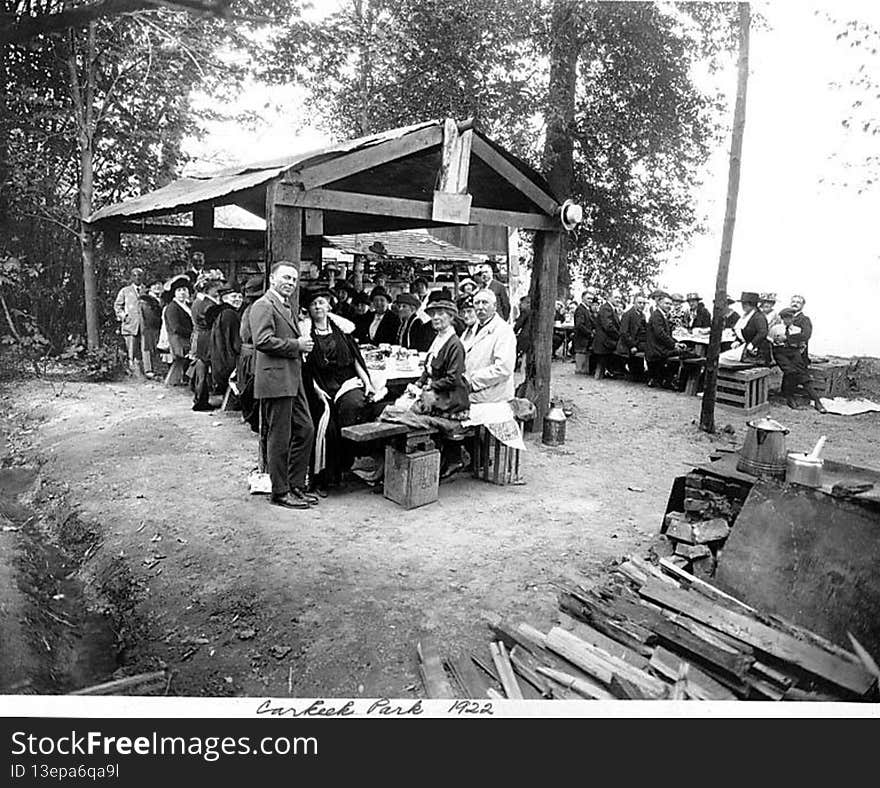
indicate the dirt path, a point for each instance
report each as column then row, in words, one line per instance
column 241, row 598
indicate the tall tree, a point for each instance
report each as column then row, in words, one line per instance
column 707, row 409
column 105, row 120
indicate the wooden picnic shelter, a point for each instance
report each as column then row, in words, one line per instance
column 439, row 173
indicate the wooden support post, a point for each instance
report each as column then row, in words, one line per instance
column 112, row 242
column 314, row 221
column 548, row 248
column 283, row 233
column 203, row 219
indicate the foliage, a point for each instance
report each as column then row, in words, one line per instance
column 862, row 86
column 145, row 69
column 641, row 129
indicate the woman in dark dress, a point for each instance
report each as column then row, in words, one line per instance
column 244, row 370
column 339, row 390
column 442, row 388
column 363, row 317
column 225, row 322
column 179, row 328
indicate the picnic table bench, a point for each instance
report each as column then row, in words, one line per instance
column 412, row 460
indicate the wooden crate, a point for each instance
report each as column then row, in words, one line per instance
column 829, row 378
column 493, row 461
column 412, row 478
column 744, row 390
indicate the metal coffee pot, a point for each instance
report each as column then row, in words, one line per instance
column 763, row 452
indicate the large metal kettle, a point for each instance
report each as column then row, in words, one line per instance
column 763, row 452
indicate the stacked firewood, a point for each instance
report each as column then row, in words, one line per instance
column 654, row 632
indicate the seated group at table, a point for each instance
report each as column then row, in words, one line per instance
column 610, row 342
column 312, row 379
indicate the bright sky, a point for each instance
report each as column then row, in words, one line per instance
column 794, row 233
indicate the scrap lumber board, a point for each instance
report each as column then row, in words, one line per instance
column 702, row 586
column 529, row 693
column 586, row 689
column 850, row 675
column 626, row 690
column 505, row 671
column 668, row 664
column 473, row 683
column 597, row 638
column 534, row 642
column 711, row 636
column 431, row 669
column 527, row 666
column 598, row 616
column 600, row 663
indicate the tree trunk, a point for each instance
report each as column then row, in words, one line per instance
column 707, row 412
column 364, row 15
column 83, row 103
column 551, row 248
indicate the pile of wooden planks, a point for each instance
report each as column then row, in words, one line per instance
column 652, row 632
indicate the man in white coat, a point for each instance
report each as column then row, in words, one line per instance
column 490, row 345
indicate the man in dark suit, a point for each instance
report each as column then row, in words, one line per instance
column 804, row 323
column 633, row 334
column 660, row 347
column 209, row 285
column 485, row 278
column 287, row 423
column 582, row 342
column 413, row 333
column 606, row 335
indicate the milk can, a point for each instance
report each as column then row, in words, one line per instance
column 554, row 427
column 763, row 451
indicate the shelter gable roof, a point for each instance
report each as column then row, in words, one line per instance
column 410, row 176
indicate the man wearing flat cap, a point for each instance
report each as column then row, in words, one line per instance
column 413, row 333
column 698, row 315
column 278, row 385
column 789, row 345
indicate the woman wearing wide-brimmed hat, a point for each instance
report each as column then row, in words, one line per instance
column 751, row 345
column 338, row 387
column 178, row 323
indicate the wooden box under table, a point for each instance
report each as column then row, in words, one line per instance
column 493, row 461
column 829, row 378
column 744, row 389
column 412, row 478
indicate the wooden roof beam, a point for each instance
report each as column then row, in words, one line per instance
column 373, row 204
column 347, row 164
column 180, row 230
column 518, row 179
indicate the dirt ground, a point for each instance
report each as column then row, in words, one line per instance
column 241, row 598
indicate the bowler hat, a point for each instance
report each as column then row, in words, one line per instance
column 378, row 290
column 442, row 303
column 749, row 297
column 360, row 298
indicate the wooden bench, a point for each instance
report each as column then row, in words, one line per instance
column 412, row 465
column 745, row 390
column 692, row 372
